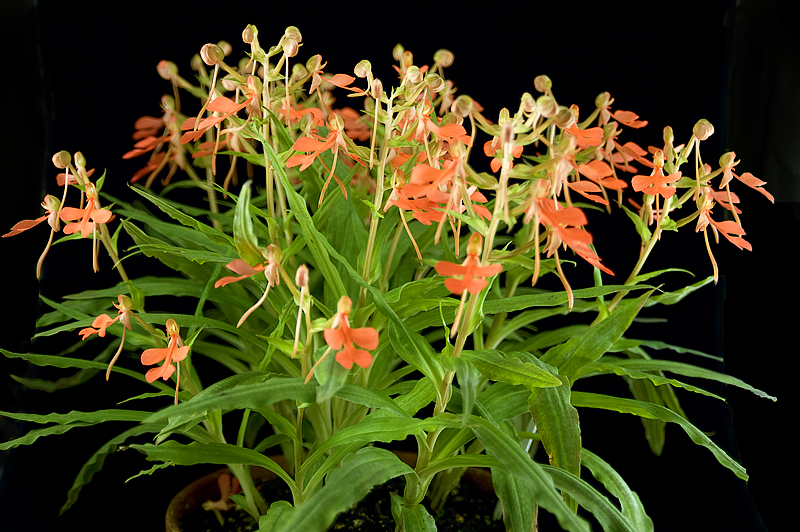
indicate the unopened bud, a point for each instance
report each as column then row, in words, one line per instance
column 363, row 68
column 62, row 159
column 397, row 52
column 542, row 83
column 345, row 305
column 603, row 100
column 299, row 71
column 547, row 106
column 377, row 89
column 703, row 129
column 293, row 33
column 226, row 47
column 669, row 137
column 443, row 57
column 564, row 117
column 80, row 160
column 528, row 104
column 290, row 47
column 211, row 54
column 249, row 34
column 507, row 133
column 462, row 106
column 434, row 82
column 413, row 75
column 229, row 82
column 727, row 160
column 167, row 69
column 475, row 244
column 196, row 63
column 301, row 277
column 273, row 274
column 408, row 59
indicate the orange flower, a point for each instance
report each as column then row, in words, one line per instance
column 473, row 275
column 174, row 352
column 222, row 105
column 728, row 228
column 103, row 321
column 50, row 205
column 270, row 269
column 88, row 218
column 341, row 336
column 656, row 183
column 727, row 163
column 491, row 147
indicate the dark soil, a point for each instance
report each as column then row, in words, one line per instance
column 467, row 509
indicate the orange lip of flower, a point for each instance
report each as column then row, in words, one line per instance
column 168, row 354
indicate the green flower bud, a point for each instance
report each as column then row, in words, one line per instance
column 363, row 68
column 249, row 34
column 542, row 83
column 293, row 33
column 603, row 100
column 462, row 106
column 397, row 52
column 547, row 106
column 80, row 160
column 62, row 159
column 167, row 69
column 703, row 129
column 211, row 54
column 443, row 58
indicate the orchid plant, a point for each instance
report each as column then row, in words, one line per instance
column 362, row 282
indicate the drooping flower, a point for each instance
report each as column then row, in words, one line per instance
column 50, row 205
column 103, row 321
column 88, row 218
column 174, row 352
column 340, row 337
column 727, row 162
column 270, row 269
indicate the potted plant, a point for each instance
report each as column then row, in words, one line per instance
column 369, row 285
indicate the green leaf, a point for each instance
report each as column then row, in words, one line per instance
column 550, row 299
column 271, row 522
column 170, row 208
column 468, row 377
column 370, row 398
column 211, row 453
column 631, row 505
column 641, row 227
column 654, row 378
column 244, row 237
column 557, row 421
column 517, row 462
column 411, row 518
column 91, row 418
column 498, row 366
column 653, row 411
column 688, row 370
column 344, row 487
column 610, row 518
column 645, row 276
column 95, row 463
column 670, row 298
column 597, row 340
column 516, row 498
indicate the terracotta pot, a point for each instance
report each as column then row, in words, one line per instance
column 191, row 498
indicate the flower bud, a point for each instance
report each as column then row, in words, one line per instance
column 249, row 34
column 168, row 102
column 273, row 274
column 462, row 106
column 547, row 106
column 603, row 100
column 528, row 103
column 669, row 136
column 397, row 52
column 299, row 71
column 301, row 277
column 564, row 117
column 51, row 203
column 211, row 54
column 377, row 89
column 408, row 59
column 542, row 83
column 363, row 68
column 703, row 129
column 226, row 47
column 167, row 69
column 507, row 133
column 443, row 58
column 292, row 32
column 62, row 159
column 434, row 82
column 80, row 160
column 229, row 82
column 196, row 63
column 413, row 75
column 290, row 47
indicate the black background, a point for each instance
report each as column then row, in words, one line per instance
column 78, row 75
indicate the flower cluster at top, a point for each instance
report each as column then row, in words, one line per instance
column 412, row 149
